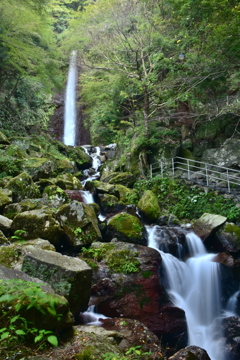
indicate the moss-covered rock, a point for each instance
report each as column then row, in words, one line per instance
column 126, row 227
column 122, row 178
column 80, row 223
column 5, row 197
column 43, row 309
column 12, row 255
column 54, row 192
column 23, row 187
column 148, row 206
column 109, row 204
column 101, row 187
column 38, row 223
column 3, row 239
column 126, row 195
column 229, row 236
column 11, row 210
column 39, row 168
column 69, row 277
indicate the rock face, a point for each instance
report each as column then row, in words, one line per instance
column 22, row 288
column 231, row 327
column 227, row 155
column 191, row 353
column 126, row 227
column 137, row 293
column 229, row 237
column 38, row 223
column 80, row 223
column 23, row 187
column 148, row 206
column 69, row 277
column 208, row 223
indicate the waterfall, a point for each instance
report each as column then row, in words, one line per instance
column 194, row 286
column 70, row 103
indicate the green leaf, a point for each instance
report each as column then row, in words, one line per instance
column 20, row 332
column 5, row 335
column 52, row 339
column 38, row 338
column 14, row 319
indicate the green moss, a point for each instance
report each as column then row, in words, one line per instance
column 127, row 224
column 234, row 230
column 146, row 274
column 8, row 255
column 148, row 205
column 122, row 261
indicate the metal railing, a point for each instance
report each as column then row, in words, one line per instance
column 210, row 175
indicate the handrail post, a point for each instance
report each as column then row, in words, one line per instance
column 173, row 166
column 206, row 168
column 229, row 190
column 161, row 167
column 188, row 169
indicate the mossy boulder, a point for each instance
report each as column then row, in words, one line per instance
column 38, row 223
column 109, row 204
column 5, row 197
column 54, row 192
column 11, row 210
column 3, row 139
column 5, row 225
column 100, row 187
column 126, row 227
column 211, row 129
column 65, row 166
column 126, row 195
column 191, row 353
column 148, row 206
column 229, row 237
column 11, row 255
column 43, row 309
column 207, row 224
column 63, row 181
column 69, row 277
column 122, row 178
column 3, row 239
column 39, row 168
column 23, row 187
column 80, row 223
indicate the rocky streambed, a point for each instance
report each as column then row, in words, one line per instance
column 69, row 254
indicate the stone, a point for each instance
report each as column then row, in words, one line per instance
column 124, row 178
column 191, row 353
column 229, row 237
column 38, row 223
column 136, row 294
column 69, row 277
column 80, row 223
column 39, row 168
column 126, row 227
column 231, row 327
column 5, row 225
column 3, row 239
column 227, row 155
column 24, row 288
column 109, row 204
column 101, row 187
column 207, row 224
column 23, row 187
column 5, row 198
column 148, row 206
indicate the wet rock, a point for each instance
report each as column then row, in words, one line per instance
column 80, row 223
column 5, row 225
column 191, row 353
column 109, row 204
column 69, row 277
column 148, row 206
column 23, row 187
column 5, row 198
column 38, row 223
column 134, row 333
column 100, row 187
column 231, row 326
column 3, row 239
column 229, row 237
column 207, row 224
column 126, row 227
column 124, row 178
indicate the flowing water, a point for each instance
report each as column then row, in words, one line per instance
column 194, row 286
column 70, row 103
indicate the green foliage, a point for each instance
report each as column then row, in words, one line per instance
column 134, row 353
column 187, row 202
column 18, row 235
column 24, row 296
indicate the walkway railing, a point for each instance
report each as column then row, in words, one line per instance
column 218, row 177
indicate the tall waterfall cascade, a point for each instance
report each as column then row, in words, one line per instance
column 69, row 136
column 194, row 286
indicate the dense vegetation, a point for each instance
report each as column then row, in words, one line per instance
column 147, row 66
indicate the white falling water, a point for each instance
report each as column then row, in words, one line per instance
column 232, row 304
column 70, row 103
column 194, row 286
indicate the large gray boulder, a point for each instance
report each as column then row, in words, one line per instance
column 69, row 277
column 227, row 155
column 38, row 223
column 5, row 224
column 80, row 223
column 207, row 224
column 23, row 187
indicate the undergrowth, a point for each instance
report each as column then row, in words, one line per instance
column 188, row 202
